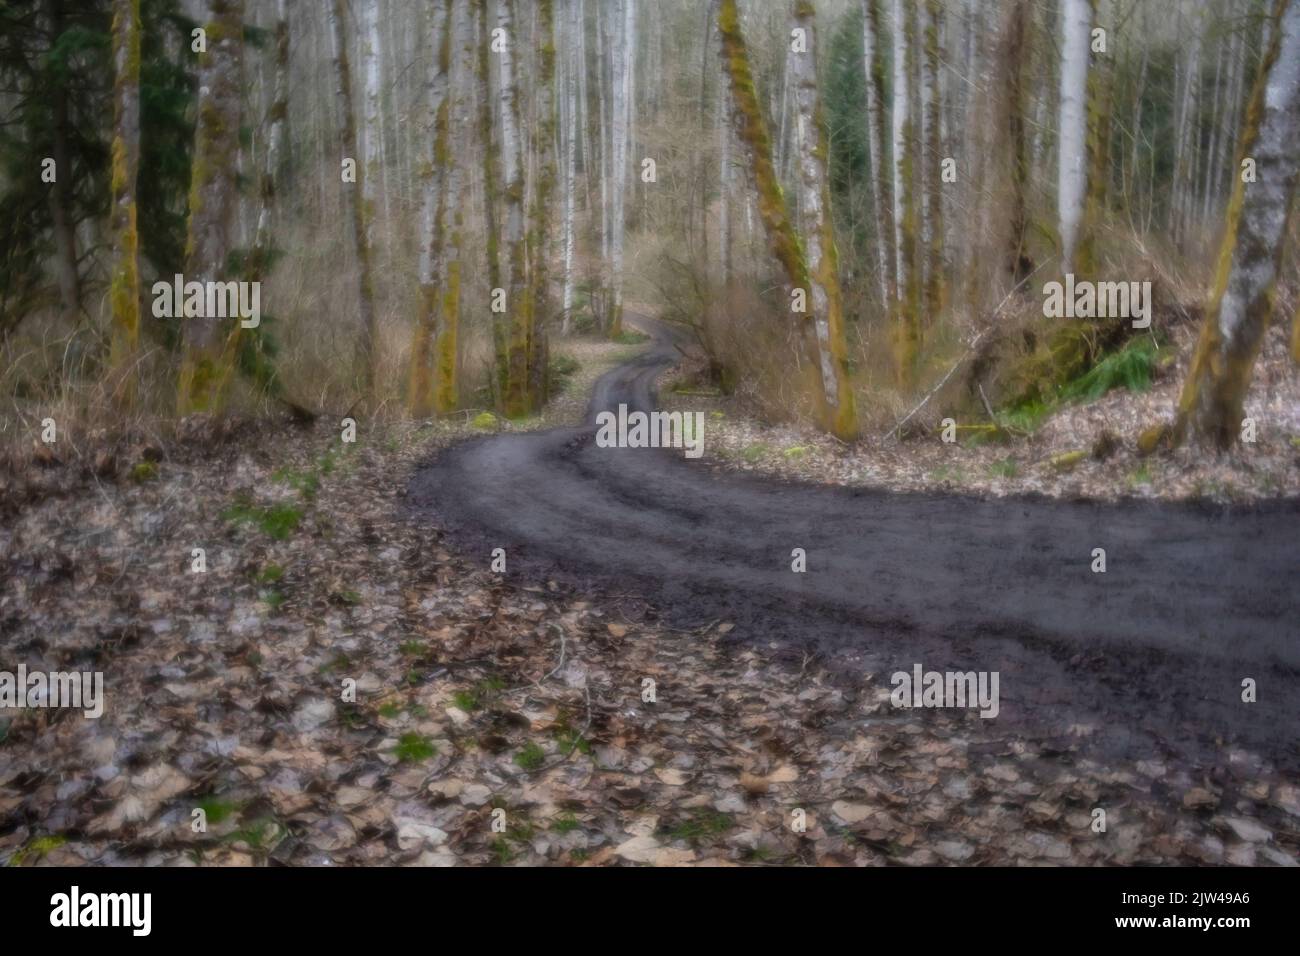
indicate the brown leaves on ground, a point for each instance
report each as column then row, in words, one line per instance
column 470, row 740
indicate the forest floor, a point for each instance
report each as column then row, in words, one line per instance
column 476, row 693
column 1104, row 433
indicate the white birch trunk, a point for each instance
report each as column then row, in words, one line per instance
column 572, row 49
column 1072, row 161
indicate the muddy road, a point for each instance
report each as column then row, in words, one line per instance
column 1146, row 660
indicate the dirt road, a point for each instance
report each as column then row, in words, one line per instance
column 1147, row 658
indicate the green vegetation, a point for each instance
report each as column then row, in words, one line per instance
column 276, row 521
column 701, row 825
column 531, row 757
column 413, row 748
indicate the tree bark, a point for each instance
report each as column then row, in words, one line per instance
column 354, row 205
column 837, row 408
column 210, row 343
column 124, row 284
column 1211, row 406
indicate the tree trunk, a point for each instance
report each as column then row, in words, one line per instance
column 619, row 131
column 491, row 197
column 543, row 195
column 907, row 331
column 1072, row 184
column 373, row 130
column 447, row 390
column 355, row 207
column 752, row 137
column 124, row 284
column 210, row 343
column 837, row 409
column 1018, row 264
column 433, row 212
column 65, row 239
column 1211, row 406
column 931, row 108
column 520, row 302
column 881, row 200
column 571, row 49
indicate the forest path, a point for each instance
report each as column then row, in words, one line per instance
column 1146, row 659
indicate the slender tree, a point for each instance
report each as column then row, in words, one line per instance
column 838, row 412
column 881, row 198
column 210, row 342
column 355, row 193
column 433, row 213
column 1211, row 407
column 124, row 286
column 1072, row 185
column 753, row 139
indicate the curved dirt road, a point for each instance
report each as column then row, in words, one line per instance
column 1152, row 653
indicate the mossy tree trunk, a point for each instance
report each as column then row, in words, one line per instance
column 837, row 409
column 519, row 298
column 1211, row 407
column 433, row 175
column 124, row 283
column 931, row 109
column 620, row 131
column 61, row 213
column 354, row 200
column 211, row 343
column 447, row 388
column 491, row 153
column 834, row 397
column 1018, row 263
column 542, row 204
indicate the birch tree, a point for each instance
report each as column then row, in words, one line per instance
column 931, row 108
column 753, row 139
column 490, row 148
column 838, row 413
column 907, row 333
column 571, row 68
column 355, row 191
column 447, row 389
column 433, row 211
column 881, row 198
column 1072, row 182
column 620, row 57
column 124, row 284
column 1211, row 406
column 373, row 135
column 520, row 302
column 210, row 342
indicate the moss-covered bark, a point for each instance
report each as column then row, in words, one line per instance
column 520, row 301
column 211, row 343
column 1210, row 409
column 836, row 405
column 433, row 182
column 355, row 193
column 935, row 268
column 124, row 282
column 491, row 199
column 543, row 203
column 821, row 329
